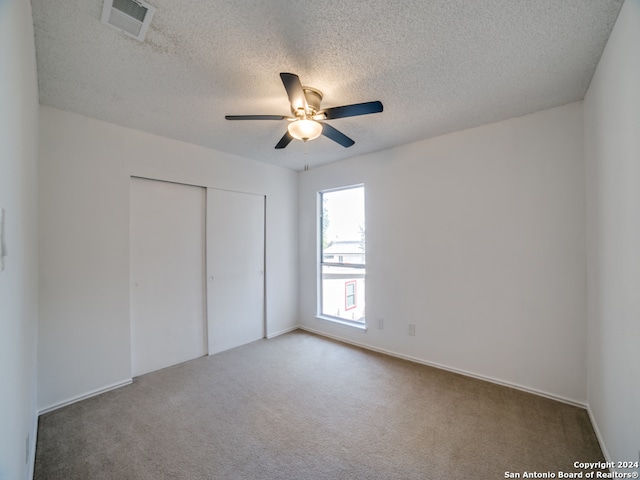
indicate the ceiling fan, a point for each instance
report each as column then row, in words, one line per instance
column 306, row 122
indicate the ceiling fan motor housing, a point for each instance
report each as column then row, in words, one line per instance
column 314, row 98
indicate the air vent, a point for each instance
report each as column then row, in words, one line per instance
column 129, row 16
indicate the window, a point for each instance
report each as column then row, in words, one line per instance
column 350, row 295
column 342, row 255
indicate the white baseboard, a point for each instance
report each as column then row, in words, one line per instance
column 282, row 332
column 450, row 369
column 603, row 447
column 90, row 394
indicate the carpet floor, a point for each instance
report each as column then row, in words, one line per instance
column 300, row 407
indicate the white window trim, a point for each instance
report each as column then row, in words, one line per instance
column 360, row 326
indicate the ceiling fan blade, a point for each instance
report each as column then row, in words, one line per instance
column 254, row 117
column 294, row 90
column 284, row 141
column 353, row 110
column 336, row 135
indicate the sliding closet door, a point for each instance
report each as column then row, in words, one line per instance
column 167, row 248
column 235, row 268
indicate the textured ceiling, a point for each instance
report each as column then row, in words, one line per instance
column 437, row 66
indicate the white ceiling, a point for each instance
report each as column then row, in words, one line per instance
column 437, row 66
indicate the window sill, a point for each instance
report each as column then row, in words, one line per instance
column 361, row 327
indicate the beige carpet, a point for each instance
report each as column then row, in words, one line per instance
column 301, row 407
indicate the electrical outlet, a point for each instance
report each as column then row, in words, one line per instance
column 412, row 329
column 381, row 323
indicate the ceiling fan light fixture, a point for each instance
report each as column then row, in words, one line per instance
column 305, row 129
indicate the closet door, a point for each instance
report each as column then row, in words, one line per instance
column 167, row 256
column 235, row 268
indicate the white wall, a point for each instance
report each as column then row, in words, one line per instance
column 85, row 166
column 18, row 197
column 477, row 238
column 612, row 150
